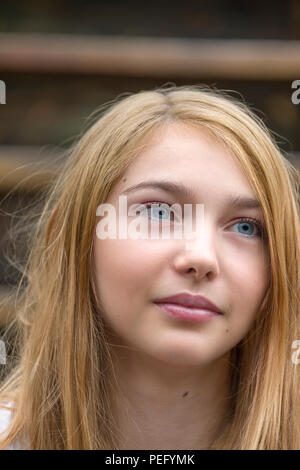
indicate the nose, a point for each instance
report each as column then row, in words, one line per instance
column 198, row 255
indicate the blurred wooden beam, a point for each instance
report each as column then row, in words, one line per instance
column 27, row 167
column 151, row 56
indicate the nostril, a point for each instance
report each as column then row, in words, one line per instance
column 191, row 269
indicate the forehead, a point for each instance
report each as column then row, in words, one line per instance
column 190, row 156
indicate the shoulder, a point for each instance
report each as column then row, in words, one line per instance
column 5, row 419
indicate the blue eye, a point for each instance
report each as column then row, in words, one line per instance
column 161, row 211
column 246, row 224
column 158, row 209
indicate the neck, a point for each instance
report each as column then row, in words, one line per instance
column 162, row 406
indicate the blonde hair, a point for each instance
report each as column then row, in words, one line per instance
column 63, row 380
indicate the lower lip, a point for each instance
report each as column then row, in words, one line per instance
column 195, row 315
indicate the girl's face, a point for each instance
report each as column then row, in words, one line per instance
column 229, row 259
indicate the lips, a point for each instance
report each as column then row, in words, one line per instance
column 190, row 301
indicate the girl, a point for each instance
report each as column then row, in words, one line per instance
column 138, row 342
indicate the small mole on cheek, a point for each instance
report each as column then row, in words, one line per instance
column 227, row 331
column 185, row 394
column 124, row 180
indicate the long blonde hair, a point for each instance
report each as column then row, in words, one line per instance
column 63, row 380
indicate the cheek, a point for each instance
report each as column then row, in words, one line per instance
column 124, row 271
column 249, row 281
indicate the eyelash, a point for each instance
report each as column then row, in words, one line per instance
column 257, row 223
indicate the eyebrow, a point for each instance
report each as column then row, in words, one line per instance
column 236, row 201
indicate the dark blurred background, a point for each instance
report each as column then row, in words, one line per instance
column 60, row 60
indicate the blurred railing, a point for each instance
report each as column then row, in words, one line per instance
column 147, row 56
column 30, row 168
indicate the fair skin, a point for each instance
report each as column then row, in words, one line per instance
column 174, row 374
